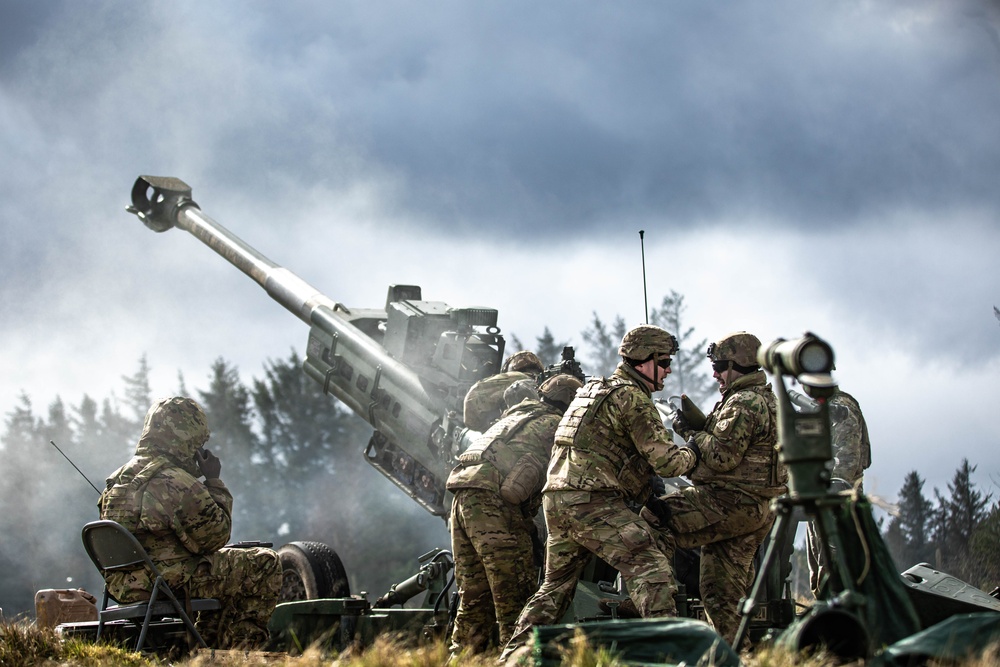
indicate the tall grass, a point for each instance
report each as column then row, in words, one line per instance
column 22, row 644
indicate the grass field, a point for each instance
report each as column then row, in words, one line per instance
column 23, row 644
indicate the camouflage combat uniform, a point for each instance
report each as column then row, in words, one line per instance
column 184, row 523
column 852, row 455
column 608, row 445
column 484, row 402
column 497, row 491
column 727, row 512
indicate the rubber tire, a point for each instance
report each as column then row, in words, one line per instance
column 311, row 571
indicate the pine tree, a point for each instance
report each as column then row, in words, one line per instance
column 85, row 421
column 120, row 433
column 603, row 342
column 303, row 436
column 548, row 350
column 227, row 406
column 983, row 549
column 41, row 538
column 687, row 372
column 916, row 515
column 513, row 345
column 956, row 518
column 320, row 487
column 138, row 394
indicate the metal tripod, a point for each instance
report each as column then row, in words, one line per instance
column 805, row 449
column 819, row 508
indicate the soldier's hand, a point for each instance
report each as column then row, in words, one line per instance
column 656, row 512
column 692, row 444
column 209, row 463
column 682, row 426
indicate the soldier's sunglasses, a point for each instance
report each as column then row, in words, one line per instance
column 664, row 363
column 720, row 366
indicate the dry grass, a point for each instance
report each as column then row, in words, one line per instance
column 21, row 644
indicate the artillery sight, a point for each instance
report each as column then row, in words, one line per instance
column 809, row 359
column 805, row 446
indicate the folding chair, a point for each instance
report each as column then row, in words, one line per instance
column 112, row 547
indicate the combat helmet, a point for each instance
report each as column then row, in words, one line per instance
column 645, row 340
column 560, row 390
column 739, row 348
column 523, row 361
column 520, row 390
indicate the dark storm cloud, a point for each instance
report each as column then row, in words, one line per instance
column 537, row 119
column 21, row 23
column 822, row 114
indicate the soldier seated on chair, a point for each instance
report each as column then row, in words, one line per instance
column 183, row 524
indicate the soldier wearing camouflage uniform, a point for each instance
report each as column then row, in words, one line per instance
column 727, row 512
column 484, row 401
column 497, row 487
column 183, row 524
column 852, row 455
column 607, row 447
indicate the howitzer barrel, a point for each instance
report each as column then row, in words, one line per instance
column 165, row 202
column 359, row 356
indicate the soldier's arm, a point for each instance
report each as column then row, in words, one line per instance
column 724, row 446
column 846, row 437
column 200, row 515
column 652, row 438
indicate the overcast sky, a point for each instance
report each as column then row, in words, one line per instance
column 828, row 166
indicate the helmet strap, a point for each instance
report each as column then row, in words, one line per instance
column 657, row 386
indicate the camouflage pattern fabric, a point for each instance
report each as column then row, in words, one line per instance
column 613, row 439
column 494, row 571
column 607, row 447
column 727, row 511
column 852, row 455
column 582, row 524
column 184, row 523
column 484, row 402
column 497, row 492
column 729, row 526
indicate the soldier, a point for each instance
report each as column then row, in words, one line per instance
column 726, row 512
column 183, row 524
column 607, row 447
column 484, row 402
column 498, row 490
column 852, row 455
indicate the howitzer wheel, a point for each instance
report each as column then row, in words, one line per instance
column 311, row 571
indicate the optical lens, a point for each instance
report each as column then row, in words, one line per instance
column 815, row 358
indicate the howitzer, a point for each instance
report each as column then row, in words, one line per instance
column 403, row 368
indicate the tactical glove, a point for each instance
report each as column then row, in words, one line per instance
column 682, row 426
column 656, row 512
column 692, row 444
column 209, row 463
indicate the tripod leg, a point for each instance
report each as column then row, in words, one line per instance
column 833, row 549
column 774, row 546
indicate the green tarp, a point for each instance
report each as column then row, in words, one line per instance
column 886, row 614
column 654, row 641
column 960, row 637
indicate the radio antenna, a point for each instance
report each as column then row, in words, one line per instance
column 53, row 443
column 645, row 299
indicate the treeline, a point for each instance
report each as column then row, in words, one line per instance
column 293, row 459
column 958, row 533
column 291, row 456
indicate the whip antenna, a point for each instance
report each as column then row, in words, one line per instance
column 53, row 443
column 645, row 300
